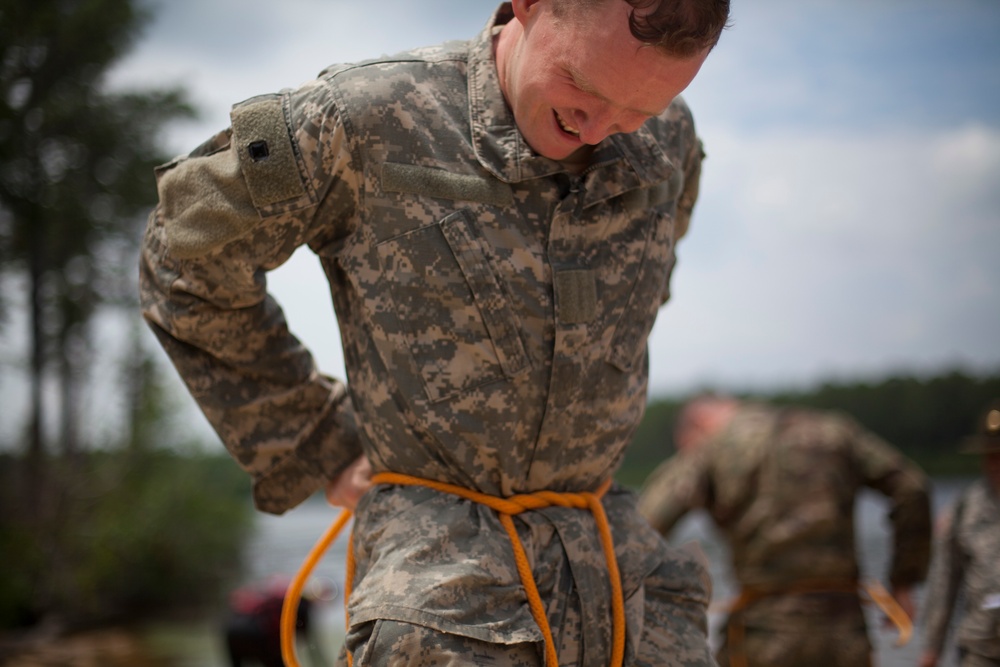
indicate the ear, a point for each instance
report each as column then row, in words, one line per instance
column 524, row 10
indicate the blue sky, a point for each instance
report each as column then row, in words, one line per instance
column 849, row 221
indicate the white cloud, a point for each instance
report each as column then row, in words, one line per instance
column 820, row 254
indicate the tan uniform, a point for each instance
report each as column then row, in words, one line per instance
column 494, row 311
column 781, row 485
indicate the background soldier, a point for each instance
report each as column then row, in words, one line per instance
column 497, row 220
column 781, row 483
column 967, row 562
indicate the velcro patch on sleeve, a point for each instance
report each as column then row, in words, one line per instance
column 266, row 155
column 204, row 204
column 413, row 179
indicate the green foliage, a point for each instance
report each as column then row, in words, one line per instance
column 927, row 418
column 76, row 180
column 131, row 528
column 923, row 416
column 135, row 535
column 75, row 160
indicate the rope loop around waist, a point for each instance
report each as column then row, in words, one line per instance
column 506, row 508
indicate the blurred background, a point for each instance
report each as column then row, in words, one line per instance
column 845, row 253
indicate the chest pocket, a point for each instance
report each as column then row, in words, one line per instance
column 451, row 307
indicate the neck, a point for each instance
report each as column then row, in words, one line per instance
column 579, row 160
column 504, row 43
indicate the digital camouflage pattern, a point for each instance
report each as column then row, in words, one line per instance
column 780, row 483
column 966, row 567
column 494, row 311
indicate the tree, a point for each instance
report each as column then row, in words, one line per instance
column 90, row 534
column 75, row 178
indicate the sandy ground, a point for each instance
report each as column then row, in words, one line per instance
column 166, row 644
column 98, row 648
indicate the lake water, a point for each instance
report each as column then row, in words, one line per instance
column 282, row 543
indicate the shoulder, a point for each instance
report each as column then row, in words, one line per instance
column 968, row 502
column 383, row 76
column 738, row 449
column 827, row 429
column 360, row 84
column 675, row 127
column 978, row 496
column 752, row 422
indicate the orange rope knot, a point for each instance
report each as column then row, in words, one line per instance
column 506, row 509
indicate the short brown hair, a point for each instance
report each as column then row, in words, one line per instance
column 679, row 27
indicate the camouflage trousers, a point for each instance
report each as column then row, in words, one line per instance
column 835, row 638
column 817, row 648
column 674, row 633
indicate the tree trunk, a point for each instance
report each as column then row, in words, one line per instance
column 35, row 454
column 69, row 423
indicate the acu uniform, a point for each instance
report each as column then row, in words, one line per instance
column 781, row 485
column 966, row 563
column 494, row 311
column 966, row 566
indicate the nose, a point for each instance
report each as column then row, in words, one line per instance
column 595, row 123
column 599, row 122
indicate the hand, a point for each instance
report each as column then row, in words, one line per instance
column 346, row 489
column 928, row 659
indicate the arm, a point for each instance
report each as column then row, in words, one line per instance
column 223, row 221
column 885, row 469
column 689, row 195
column 675, row 487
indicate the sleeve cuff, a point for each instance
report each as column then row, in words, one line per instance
column 331, row 447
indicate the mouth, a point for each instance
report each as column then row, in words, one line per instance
column 568, row 129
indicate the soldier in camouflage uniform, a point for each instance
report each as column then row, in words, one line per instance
column 780, row 483
column 497, row 220
column 966, row 562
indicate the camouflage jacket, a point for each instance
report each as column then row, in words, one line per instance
column 781, row 485
column 966, row 567
column 493, row 309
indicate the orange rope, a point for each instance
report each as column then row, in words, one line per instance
column 290, row 606
column 883, row 600
column 506, row 508
column 509, row 507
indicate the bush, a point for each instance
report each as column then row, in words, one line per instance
column 132, row 535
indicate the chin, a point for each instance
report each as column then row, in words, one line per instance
column 560, row 153
column 551, row 146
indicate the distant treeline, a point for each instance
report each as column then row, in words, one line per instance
column 927, row 418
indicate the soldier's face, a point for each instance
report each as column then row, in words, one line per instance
column 572, row 81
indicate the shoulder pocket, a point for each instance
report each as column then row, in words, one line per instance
column 267, row 155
